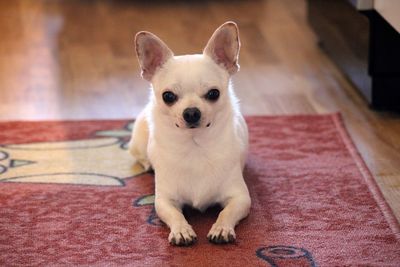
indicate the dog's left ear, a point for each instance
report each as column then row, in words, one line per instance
column 223, row 47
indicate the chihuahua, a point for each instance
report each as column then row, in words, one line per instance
column 193, row 134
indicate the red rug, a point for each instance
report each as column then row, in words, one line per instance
column 69, row 195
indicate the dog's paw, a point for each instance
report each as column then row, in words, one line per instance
column 182, row 236
column 221, row 234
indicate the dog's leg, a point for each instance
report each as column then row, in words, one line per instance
column 181, row 233
column 235, row 209
column 139, row 140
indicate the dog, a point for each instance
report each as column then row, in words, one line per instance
column 193, row 134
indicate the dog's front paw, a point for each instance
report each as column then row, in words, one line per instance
column 221, row 234
column 182, row 235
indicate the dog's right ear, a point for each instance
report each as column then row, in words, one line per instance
column 151, row 52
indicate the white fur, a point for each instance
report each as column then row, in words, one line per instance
column 197, row 167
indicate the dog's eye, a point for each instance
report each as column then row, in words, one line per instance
column 212, row 95
column 169, row 97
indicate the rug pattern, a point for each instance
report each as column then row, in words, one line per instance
column 69, row 195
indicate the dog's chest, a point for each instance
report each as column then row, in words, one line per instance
column 195, row 175
column 198, row 186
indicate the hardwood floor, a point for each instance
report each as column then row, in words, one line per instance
column 75, row 60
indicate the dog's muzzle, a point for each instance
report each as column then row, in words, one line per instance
column 192, row 117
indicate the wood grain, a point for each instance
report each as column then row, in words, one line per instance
column 75, row 60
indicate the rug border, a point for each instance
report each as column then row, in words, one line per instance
column 366, row 174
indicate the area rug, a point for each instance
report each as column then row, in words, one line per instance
column 70, row 196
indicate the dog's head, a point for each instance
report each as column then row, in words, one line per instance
column 191, row 90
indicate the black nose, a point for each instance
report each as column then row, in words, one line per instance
column 192, row 115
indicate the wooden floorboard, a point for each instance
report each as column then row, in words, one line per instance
column 75, row 60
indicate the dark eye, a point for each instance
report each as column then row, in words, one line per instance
column 212, row 95
column 169, row 97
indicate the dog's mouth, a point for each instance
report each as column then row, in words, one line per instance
column 193, row 125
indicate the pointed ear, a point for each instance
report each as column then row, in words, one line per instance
column 151, row 52
column 223, row 47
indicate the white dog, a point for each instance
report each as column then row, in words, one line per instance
column 192, row 133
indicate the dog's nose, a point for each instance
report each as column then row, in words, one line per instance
column 192, row 115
